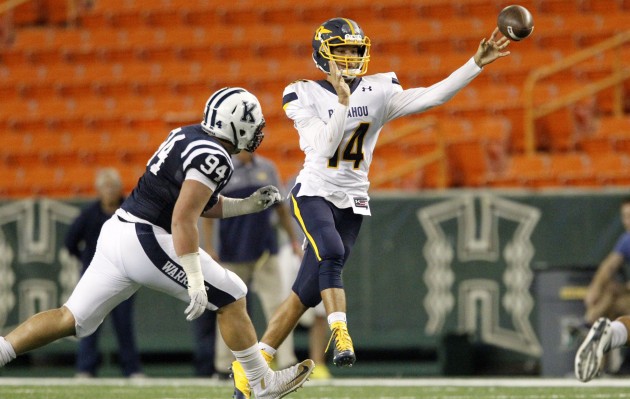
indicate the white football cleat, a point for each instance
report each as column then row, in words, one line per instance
column 590, row 355
column 277, row 384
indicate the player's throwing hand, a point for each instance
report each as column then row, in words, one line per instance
column 491, row 49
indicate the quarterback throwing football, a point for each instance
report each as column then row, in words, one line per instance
column 338, row 120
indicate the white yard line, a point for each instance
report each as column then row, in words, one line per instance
column 404, row 382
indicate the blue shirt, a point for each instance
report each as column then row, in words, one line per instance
column 83, row 234
column 623, row 246
column 247, row 237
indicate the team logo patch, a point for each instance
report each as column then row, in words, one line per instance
column 361, row 202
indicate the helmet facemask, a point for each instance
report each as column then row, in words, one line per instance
column 256, row 139
column 349, row 66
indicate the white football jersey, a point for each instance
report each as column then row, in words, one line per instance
column 338, row 141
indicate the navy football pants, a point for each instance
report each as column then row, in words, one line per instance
column 331, row 233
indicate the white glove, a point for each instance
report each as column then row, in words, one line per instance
column 260, row 200
column 266, row 196
column 198, row 303
column 196, row 286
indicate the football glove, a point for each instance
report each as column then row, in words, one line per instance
column 196, row 286
column 198, row 303
column 260, row 200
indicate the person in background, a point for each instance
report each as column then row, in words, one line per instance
column 603, row 337
column 248, row 246
column 81, row 241
column 608, row 294
column 607, row 298
column 204, row 328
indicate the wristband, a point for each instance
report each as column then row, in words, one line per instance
column 236, row 207
column 192, row 266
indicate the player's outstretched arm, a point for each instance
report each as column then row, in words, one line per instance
column 491, row 49
column 260, row 200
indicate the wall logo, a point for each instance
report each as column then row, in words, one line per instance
column 37, row 272
column 492, row 238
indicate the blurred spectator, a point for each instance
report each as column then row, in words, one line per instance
column 608, row 294
column 204, row 327
column 81, row 242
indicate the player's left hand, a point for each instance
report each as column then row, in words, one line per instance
column 198, row 303
column 491, row 49
column 266, row 197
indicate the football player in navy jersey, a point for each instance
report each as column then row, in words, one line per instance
column 338, row 121
column 152, row 240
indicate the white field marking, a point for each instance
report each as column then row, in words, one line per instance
column 350, row 382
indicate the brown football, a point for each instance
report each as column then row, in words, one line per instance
column 515, row 22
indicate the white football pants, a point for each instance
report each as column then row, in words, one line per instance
column 131, row 255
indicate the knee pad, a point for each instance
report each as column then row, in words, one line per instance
column 231, row 289
column 330, row 274
column 308, row 291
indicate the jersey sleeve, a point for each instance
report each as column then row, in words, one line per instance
column 420, row 99
column 206, row 163
column 323, row 136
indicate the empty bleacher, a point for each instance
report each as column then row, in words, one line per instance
column 102, row 85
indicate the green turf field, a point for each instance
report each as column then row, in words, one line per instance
column 51, row 388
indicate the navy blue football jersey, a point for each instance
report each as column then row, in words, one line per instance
column 186, row 151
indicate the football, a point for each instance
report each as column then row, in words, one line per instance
column 515, row 22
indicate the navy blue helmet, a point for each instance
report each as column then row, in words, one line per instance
column 341, row 32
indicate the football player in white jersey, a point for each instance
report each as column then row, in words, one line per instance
column 152, row 240
column 338, row 120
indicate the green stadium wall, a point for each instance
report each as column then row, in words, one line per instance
column 426, row 266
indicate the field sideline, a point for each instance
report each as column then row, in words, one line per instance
column 421, row 388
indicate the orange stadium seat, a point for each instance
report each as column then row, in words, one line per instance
column 612, row 126
column 398, row 10
column 436, row 9
column 18, row 149
column 571, row 168
column 562, row 7
column 41, row 181
column 600, row 6
column 596, row 144
column 467, row 162
column 524, row 171
column 483, row 9
column 27, row 14
column 361, row 10
column 611, row 168
column 165, row 17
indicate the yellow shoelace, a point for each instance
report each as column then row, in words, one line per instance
column 342, row 337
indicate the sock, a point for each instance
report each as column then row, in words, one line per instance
column 253, row 363
column 267, row 351
column 6, row 352
column 618, row 336
column 336, row 316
